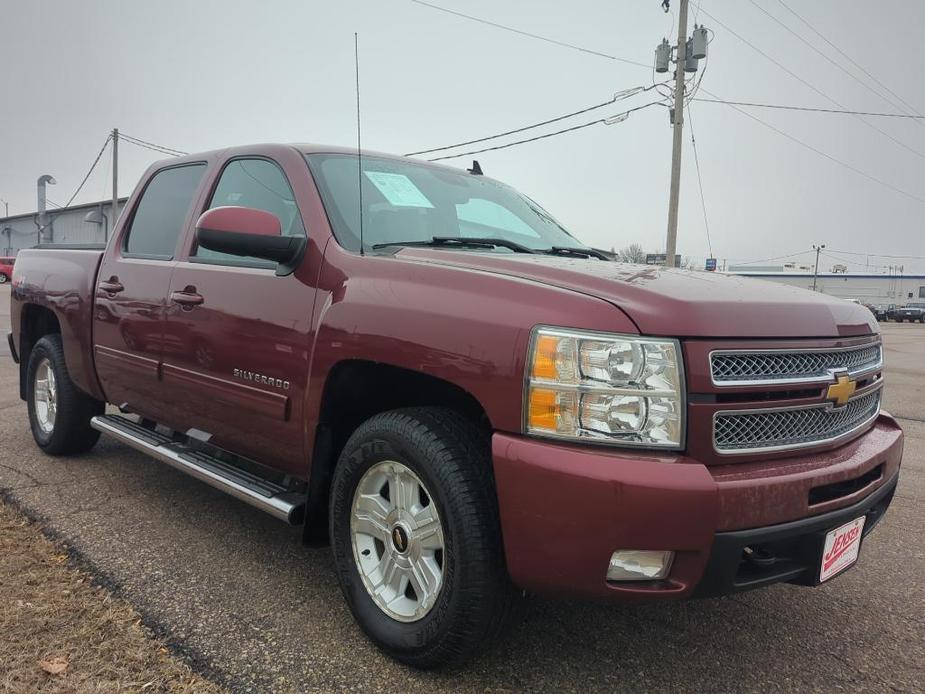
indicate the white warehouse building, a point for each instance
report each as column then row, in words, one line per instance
column 875, row 289
column 78, row 224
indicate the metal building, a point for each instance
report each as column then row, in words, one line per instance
column 874, row 289
column 88, row 223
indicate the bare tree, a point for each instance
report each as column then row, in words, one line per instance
column 632, row 254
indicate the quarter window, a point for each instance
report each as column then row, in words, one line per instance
column 259, row 184
column 162, row 210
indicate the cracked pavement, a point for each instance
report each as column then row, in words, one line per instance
column 236, row 593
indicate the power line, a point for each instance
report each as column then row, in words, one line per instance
column 733, row 105
column 811, row 86
column 882, row 255
column 824, row 56
column 827, row 254
column 703, row 202
column 556, row 42
column 152, row 145
column 619, row 96
column 152, row 149
column 800, row 142
column 767, row 260
column 607, row 121
column 879, row 114
column 92, row 166
column 842, row 53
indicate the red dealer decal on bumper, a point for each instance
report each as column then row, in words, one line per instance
column 841, row 548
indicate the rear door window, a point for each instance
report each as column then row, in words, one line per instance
column 162, row 211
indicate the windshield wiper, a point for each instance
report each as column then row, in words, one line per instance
column 580, row 252
column 460, row 242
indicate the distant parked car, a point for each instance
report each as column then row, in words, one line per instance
column 6, row 269
column 884, row 312
column 911, row 312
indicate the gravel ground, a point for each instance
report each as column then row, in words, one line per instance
column 244, row 602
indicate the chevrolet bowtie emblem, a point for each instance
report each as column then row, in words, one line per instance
column 841, row 391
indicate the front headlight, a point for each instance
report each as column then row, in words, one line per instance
column 618, row 389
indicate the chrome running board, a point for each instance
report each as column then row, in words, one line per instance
column 278, row 501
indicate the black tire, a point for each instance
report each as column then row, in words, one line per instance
column 71, row 432
column 3, row 278
column 452, row 459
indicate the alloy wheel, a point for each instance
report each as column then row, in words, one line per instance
column 46, row 396
column 398, row 541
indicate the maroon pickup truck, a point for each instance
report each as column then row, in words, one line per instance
column 423, row 366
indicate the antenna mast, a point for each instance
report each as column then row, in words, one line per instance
column 356, row 62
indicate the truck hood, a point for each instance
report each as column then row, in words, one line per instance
column 678, row 303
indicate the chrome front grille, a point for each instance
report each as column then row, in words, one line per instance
column 767, row 367
column 750, row 431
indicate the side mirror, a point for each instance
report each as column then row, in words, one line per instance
column 249, row 233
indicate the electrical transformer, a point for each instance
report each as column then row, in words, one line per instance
column 662, row 56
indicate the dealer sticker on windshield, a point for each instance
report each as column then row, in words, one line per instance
column 841, row 548
column 398, row 189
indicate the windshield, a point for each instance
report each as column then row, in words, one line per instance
column 403, row 201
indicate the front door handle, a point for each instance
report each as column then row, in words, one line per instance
column 187, row 298
column 112, row 285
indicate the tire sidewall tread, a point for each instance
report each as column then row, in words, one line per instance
column 451, row 458
column 72, row 432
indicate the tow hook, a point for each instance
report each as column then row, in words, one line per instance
column 759, row 556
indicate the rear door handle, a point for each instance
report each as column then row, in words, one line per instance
column 112, row 286
column 187, row 298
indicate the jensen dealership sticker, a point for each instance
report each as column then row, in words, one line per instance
column 841, row 548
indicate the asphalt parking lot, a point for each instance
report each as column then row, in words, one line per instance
column 236, row 592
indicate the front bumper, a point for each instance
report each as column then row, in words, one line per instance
column 566, row 508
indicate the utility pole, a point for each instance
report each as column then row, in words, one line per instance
column 115, row 177
column 6, row 206
column 678, row 125
column 818, row 250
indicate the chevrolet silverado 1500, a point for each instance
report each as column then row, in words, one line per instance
column 422, row 366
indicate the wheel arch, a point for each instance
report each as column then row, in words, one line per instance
column 354, row 391
column 36, row 322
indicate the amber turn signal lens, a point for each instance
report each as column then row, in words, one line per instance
column 543, row 409
column 544, row 357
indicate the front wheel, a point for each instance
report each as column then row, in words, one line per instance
column 3, row 278
column 59, row 412
column 416, row 537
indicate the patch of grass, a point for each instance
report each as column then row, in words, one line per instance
column 61, row 633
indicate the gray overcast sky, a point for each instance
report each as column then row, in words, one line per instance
column 202, row 75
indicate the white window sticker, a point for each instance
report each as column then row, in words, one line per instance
column 398, row 189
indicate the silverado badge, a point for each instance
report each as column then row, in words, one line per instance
column 261, row 379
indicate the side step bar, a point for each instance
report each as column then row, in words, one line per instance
column 268, row 496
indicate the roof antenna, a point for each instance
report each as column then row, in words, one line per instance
column 476, row 170
column 356, row 62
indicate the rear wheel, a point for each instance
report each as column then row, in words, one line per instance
column 3, row 278
column 416, row 538
column 59, row 413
